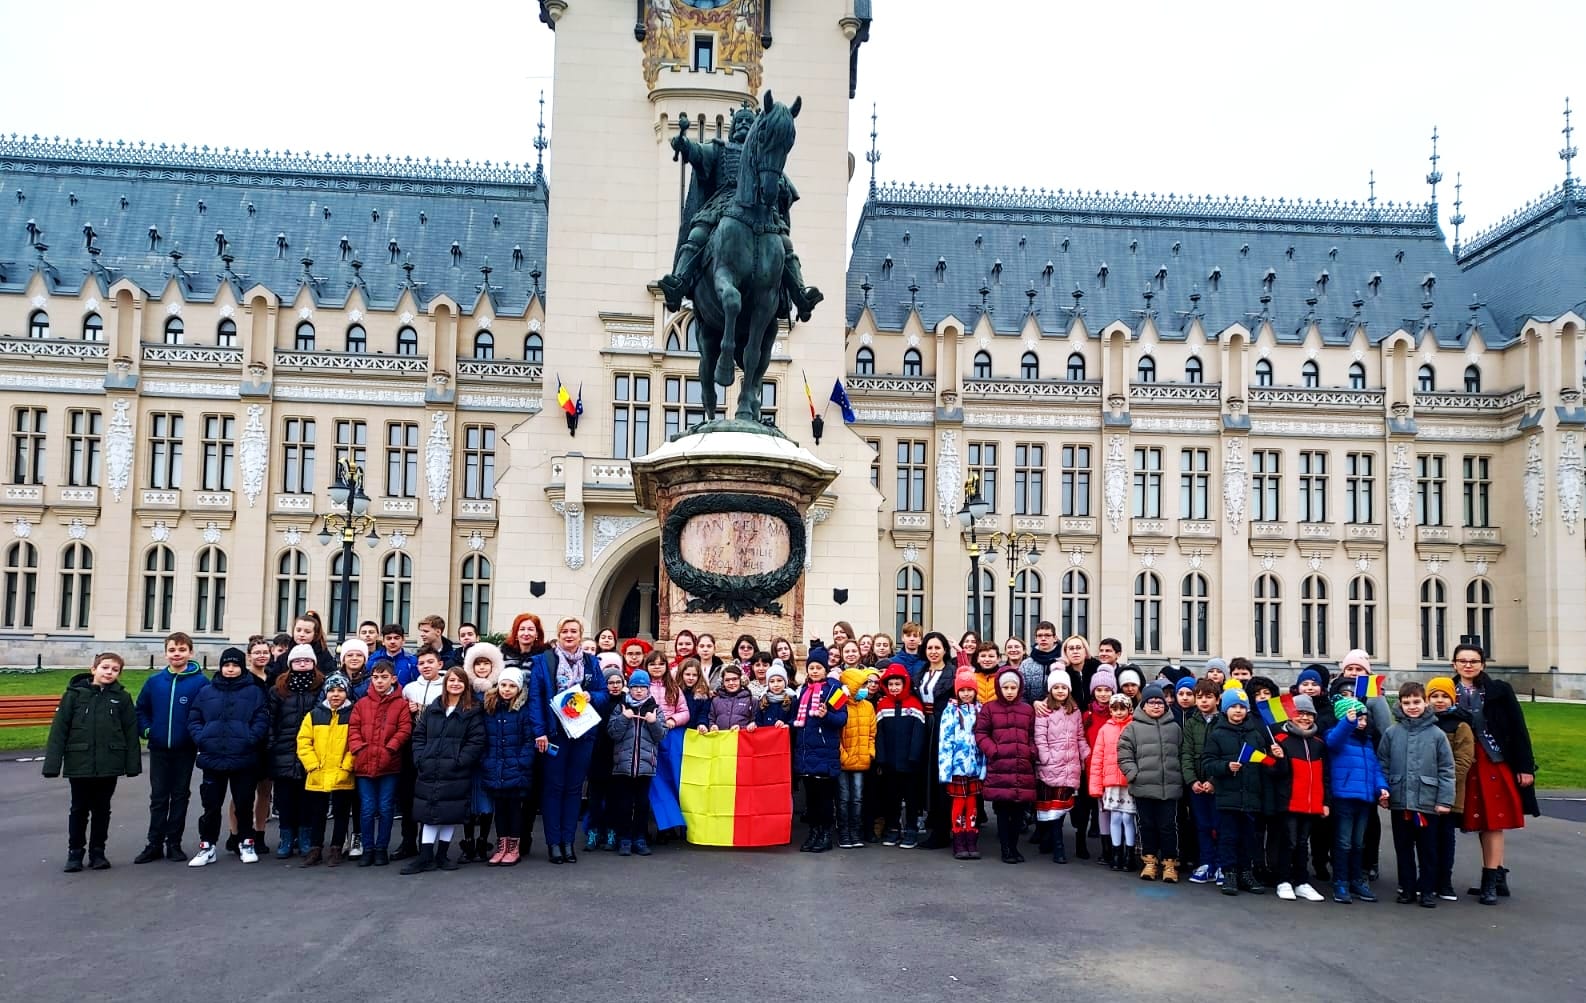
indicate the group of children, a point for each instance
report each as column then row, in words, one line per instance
column 1179, row 777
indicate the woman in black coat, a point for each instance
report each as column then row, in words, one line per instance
column 1501, row 789
column 448, row 743
column 936, row 692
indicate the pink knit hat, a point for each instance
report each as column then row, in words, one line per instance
column 1355, row 657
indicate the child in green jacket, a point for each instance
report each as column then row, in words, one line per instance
column 94, row 740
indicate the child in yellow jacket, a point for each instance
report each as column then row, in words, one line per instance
column 324, row 748
column 856, row 752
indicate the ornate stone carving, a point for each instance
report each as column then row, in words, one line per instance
column 1533, row 485
column 1363, row 563
column 949, row 477
column 77, row 529
column 814, row 517
column 476, row 541
column 1480, row 566
column 669, row 29
column 1197, row 426
column 1236, row 483
column 211, row 532
column 438, row 460
column 1076, row 558
column 500, row 402
column 22, row 528
column 1340, row 429
column 573, row 518
column 1036, row 419
column 292, row 536
column 1269, row 561
column 1401, row 489
column 1570, row 485
column 191, row 388
column 159, row 532
column 608, row 528
column 1434, row 565
column 911, row 554
column 398, row 540
column 344, row 394
column 253, row 453
column 1116, row 481
column 118, row 450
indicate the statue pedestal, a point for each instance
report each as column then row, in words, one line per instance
column 734, row 537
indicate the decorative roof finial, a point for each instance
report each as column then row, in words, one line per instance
column 1372, row 199
column 874, row 155
column 1568, row 153
column 1458, row 217
column 1435, row 175
column 540, row 143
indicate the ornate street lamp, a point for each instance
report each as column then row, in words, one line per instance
column 1022, row 553
column 350, row 518
column 974, row 509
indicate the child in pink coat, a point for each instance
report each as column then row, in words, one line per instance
column 1061, row 749
column 1110, row 788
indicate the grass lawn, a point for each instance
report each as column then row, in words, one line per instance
column 1558, row 737
column 33, row 684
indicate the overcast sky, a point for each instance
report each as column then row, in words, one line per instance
column 1276, row 98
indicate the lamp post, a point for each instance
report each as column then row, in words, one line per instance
column 974, row 509
column 1022, row 552
column 349, row 518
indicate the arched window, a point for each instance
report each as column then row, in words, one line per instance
column 1434, row 620
column 1268, row 610
column 1195, row 614
column 484, row 345
column 533, row 349
column 1363, row 614
column 21, row 586
column 226, row 333
column 1075, row 614
column 987, row 581
column 1147, row 613
column 357, row 339
column 407, row 341
column 910, row 598
column 1026, row 602
column 1029, row 368
column 303, row 339
column 38, row 324
column 1478, row 612
column 1426, row 379
column 174, row 330
column 1194, row 371
column 1313, row 617
column 911, row 363
column 209, row 609
column 291, row 588
column 77, row 587
column 344, row 608
column 1472, row 380
column 1076, row 373
column 1263, row 373
column 1357, row 376
column 1145, row 370
column 982, row 368
column 93, row 328
column 865, row 362
column 1310, row 375
column 474, row 592
column 159, row 589
column 688, row 343
column 396, row 588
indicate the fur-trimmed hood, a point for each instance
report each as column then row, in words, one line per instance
column 485, row 651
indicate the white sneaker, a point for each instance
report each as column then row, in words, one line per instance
column 248, row 853
column 1286, row 892
column 357, row 846
column 205, row 855
column 1308, row 893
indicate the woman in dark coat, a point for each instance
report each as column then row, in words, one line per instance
column 448, row 742
column 935, row 686
column 562, row 667
column 293, row 694
column 1501, row 788
column 1005, row 732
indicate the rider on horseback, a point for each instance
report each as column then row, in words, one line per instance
column 714, row 185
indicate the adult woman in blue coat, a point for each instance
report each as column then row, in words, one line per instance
column 817, row 745
column 560, row 668
column 507, row 770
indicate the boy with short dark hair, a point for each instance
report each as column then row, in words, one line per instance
column 1241, row 668
column 162, row 707
column 393, row 651
column 229, row 720
column 432, row 632
column 369, row 634
column 1413, row 751
column 94, row 717
column 419, row 693
column 1197, row 783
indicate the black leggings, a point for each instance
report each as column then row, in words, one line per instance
column 820, row 798
column 509, row 814
column 1158, row 824
column 895, row 797
column 628, row 807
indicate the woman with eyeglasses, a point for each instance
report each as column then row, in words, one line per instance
column 1501, row 789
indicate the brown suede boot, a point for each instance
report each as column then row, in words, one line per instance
column 1170, row 872
column 1148, row 868
column 333, row 856
column 312, row 858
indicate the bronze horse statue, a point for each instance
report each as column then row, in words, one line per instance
column 737, row 296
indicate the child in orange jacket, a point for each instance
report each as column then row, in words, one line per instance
column 1109, row 786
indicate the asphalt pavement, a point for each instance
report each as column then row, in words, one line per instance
column 695, row 924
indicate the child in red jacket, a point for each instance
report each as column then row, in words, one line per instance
column 1301, row 776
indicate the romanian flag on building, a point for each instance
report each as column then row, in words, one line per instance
column 564, row 400
column 1368, row 686
column 1277, row 710
column 1250, row 754
column 736, row 787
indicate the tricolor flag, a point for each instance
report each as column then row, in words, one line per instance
column 1277, row 710
column 807, row 395
column 1368, row 686
column 564, row 400
column 736, row 787
column 1249, row 754
column 839, row 698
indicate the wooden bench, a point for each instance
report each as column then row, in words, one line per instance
column 21, row 712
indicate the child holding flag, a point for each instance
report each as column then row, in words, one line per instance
column 1355, row 679
column 818, row 722
column 1232, row 758
column 1301, row 797
column 858, row 749
column 1354, row 776
column 960, row 766
column 1203, row 803
column 1412, row 752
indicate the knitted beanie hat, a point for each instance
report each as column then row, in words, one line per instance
column 1059, row 677
column 1129, row 674
column 1232, row 697
column 1186, row 683
column 1313, row 676
column 337, row 681
column 513, row 676
column 1443, row 685
column 964, row 680
column 1220, row 664
column 639, row 678
column 1344, row 705
column 1103, row 677
column 300, row 653
column 233, row 656
column 1303, row 703
column 1153, row 692
column 776, row 671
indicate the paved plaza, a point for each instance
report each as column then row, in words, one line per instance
column 696, row 924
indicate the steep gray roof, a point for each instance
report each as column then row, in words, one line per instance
column 1533, row 263
column 144, row 202
column 1113, row 248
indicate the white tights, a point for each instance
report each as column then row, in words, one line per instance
column 434, row 833
column 1120, row 827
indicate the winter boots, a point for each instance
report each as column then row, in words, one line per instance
column 74, row 862
column 1488, row 893
column 442, row 860
column 513, row 854
column 1169, row 872
column 1058, row 856
column 1148, row 870
column 423, row 861
column 500, row 854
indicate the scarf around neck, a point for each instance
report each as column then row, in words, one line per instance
column 569, row 668
column 300, row 682
column 1472, row 700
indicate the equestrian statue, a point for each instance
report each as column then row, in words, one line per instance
column 734, row 258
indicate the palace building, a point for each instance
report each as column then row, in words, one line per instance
column 1204, row 426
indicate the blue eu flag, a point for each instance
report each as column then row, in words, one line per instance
column 840, row 398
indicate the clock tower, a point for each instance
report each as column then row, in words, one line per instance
column 626, row 75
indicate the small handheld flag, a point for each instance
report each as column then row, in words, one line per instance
column 840, row 398
column 1248, row 754
column 1368, row 686
column 1277, row 710
column 839, row 698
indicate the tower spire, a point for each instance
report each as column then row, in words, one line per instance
column 874, row 155
column 1372, row 184
column 1568, row 153
column 1434, row 176
column 1458, row 217
column 540, row 143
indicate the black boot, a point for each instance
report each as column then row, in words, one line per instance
column 74, row 862
column 96, row 859
column 403, row 851
column 1104, row 858
column 1058, row 856
column 1489, row 886
column 1081, row 845
column 443, row 859
column 569, row 855
column 553, row 853
column 1503, row 881
column 368, row 858
column 1247, row 882
column 823, row 842
column 149, row 854
column 809, row 841
column 422, row 861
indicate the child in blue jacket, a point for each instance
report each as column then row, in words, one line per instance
column 960, row 764
column 162, row 707
column 1357, row 786
column 818, row 731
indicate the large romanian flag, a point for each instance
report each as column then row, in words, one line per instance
column 736, row 787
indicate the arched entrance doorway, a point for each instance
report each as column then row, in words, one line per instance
column 628, row 599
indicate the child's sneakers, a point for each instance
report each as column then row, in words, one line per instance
column 1202, row 875
column 1341, row 892
column 625, row 848
column 891, row 838
column 641, row 848
column 248, row 852
column 356, row 850
column 1219, row 877
column 205, row 855
column 1362, row 891
column 1286, row 891
column 909, row 841
column 1305, row 892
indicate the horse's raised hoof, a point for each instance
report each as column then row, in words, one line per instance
column 724, row 371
